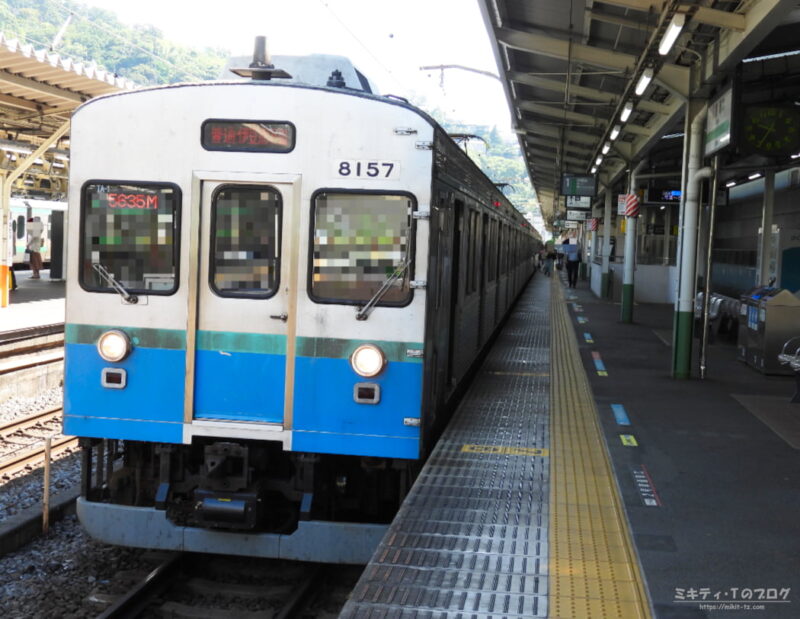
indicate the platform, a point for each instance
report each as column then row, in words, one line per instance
column 34, row 303
column 578, row 479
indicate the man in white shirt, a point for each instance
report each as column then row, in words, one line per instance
column 35, row 231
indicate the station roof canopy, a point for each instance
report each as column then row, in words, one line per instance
column 570, row 68
column 39, row 90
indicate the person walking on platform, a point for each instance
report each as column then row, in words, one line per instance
column 572, row 256
column 35, row 231
column 549, row 260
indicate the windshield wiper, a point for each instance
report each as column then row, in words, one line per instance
column 109, row 278
column 363, row 312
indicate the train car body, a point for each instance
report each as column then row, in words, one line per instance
column 297, row 280
column 23, row 209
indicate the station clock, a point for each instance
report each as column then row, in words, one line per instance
column 771, row 130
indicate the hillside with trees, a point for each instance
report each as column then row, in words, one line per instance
column 497, row 157
column 139, row 53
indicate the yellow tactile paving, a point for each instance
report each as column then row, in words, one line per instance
column 592, row 564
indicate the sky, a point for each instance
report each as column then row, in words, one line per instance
column 388, row 40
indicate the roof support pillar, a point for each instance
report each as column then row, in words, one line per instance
column 687, row 257
column 630, row 254
column 765, row 270
column 605, row 274
column 5, row 209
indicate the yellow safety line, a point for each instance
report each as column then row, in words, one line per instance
column 594, row 571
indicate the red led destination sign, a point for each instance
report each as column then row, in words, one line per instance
column 248, row 136
column 132, row 200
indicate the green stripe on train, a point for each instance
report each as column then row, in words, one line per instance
column 171, row 339
column 243, row 342
column 342, row 349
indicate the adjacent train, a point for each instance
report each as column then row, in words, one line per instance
column 24, row 209
column 277, row 288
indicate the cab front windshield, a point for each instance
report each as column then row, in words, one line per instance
column 359, row 241
column 130, row 230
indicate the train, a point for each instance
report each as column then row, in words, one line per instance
column 277, row 287
column 23, row 209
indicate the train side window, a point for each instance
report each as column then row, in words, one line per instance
column 131, row 230
column 245, row 241
column 358, row 241
column 21, row 227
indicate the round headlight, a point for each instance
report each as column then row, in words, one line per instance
column 368, row 360
column 113, row 346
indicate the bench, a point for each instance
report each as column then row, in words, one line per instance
column 790, row 355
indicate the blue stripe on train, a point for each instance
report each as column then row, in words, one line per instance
column 149, row 408
column 328, row 420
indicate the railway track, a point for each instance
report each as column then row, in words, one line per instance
column 221, row 587
column 19, row 457
column 42, row 418
column 31, row 360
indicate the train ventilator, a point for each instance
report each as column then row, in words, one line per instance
column 276, row 290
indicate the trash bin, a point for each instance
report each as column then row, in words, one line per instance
column 773, row 318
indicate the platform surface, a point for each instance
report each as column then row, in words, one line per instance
column 516, row 513
column 704, row 481
column 34, row 303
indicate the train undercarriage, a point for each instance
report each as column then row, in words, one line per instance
column 247, row 486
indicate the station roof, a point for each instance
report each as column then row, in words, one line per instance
column 39, row 90
column 569, row 68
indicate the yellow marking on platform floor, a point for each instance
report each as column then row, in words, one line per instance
column 593, row 567
column 505, row 450
column 629, row 440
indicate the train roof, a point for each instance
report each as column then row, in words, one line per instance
column 52, row 205
column 311, row 70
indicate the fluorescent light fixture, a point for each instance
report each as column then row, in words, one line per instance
column 644, row 81
column 606, row 147
column 662, row 207
column 730, row 184
column 594, row 169
column 17, row 149
column 599, row 160
column 615, row 132
column 671, row 35
column 771, row 56
column 796, row 156
column 754, row 176
column 626, row 111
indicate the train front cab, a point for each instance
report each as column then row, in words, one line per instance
column 251, row 385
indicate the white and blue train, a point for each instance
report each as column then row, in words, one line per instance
column 277, row 288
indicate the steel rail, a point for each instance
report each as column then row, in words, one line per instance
column 30, row 457
column 23, row 423
column 39, row 360
column 16, row 335
column 133, row 603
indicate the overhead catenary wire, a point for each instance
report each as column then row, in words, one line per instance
column 325, row 4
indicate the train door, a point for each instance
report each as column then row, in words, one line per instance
column 246, row 287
